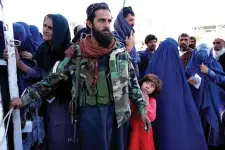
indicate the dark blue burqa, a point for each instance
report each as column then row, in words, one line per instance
column 20, row 34
column 37, row 134
column 36, row 35
column 177, row 125
column 209, row 98
column 28, row 44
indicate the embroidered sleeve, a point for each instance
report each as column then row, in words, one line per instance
column 45, row 88
column 135, row 93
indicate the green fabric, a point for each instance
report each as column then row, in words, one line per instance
column 118, row 87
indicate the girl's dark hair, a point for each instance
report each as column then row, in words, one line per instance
column 155, row 79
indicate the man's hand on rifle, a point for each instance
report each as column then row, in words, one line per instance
column 16, row 102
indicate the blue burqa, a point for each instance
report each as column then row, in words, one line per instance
column 122, row 30
column 28, row 44
column 37, row 135
column 177, row 125
column 20, row 34
column 36, row 35
column 209, row 98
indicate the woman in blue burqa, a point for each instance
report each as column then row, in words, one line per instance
column 27, row 76
column 36, row 35
column 209, row 97
column 177, row 125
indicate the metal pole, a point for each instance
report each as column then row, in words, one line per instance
column 12, row 78
column 124, row 2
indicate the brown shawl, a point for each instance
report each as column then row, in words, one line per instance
column 186, row 57
column 93, row 51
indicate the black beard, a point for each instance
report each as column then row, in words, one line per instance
column 151, row 50
column 192, row 46
column 183, row 48
column 104, row 39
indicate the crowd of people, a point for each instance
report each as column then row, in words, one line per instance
column 98, row 92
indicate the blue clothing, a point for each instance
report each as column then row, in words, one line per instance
column 145, row 57
column 36, row 36
column 218, row 78
column 20, row 34
column 209, row 97
column 58, row 127
column 177, row 125
column 37, row 135
column 99, row 131
column 28, row 44
column 122, row 30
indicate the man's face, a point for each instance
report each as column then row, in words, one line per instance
column 47, row 29
column 130, row 19
column 151, row 45
column 192, row 44
column 184, row 42
column 218, row 44
column 101, row 27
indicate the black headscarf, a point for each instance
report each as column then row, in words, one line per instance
column 47, row 55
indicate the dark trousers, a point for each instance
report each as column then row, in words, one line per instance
column 98, row 129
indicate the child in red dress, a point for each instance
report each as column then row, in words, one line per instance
column 139, row 138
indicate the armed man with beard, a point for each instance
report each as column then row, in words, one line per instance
column 185, row 51
column 103, row 81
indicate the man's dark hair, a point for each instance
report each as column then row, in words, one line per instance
column 93, row 8
column 149, row 38
column 193, row 38
column 183, row 35
column 127, row 11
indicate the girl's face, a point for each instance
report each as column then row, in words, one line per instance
column 148, row 87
